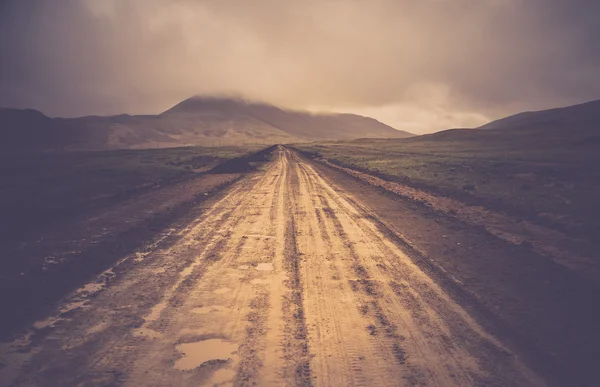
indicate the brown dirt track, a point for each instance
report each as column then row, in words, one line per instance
column 287, row 279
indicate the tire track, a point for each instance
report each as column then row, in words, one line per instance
column 297, row 347
column 414, row 332
column 284, row 281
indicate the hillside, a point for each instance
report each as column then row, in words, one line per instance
column 584, row 113
column 539, row 165
column 195, row 121
column 568, row 128
column 301, row 125
column 583, row 117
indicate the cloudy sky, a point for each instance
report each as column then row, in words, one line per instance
column 417, row 65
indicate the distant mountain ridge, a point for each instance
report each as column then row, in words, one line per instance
column 582, row 114
column 195, row 121
column 577, row 125
column 302, row 125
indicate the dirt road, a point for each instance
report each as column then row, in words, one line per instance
column 286, row 280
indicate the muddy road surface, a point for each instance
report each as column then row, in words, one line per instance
column 287, row 279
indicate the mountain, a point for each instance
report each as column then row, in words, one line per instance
column 300, row 125
column 195, row 121
column 32, row 130
column 572, row 126
column 577, row 125
column 584, row 114
column 27, row 126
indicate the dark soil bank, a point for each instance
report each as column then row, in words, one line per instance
column 44, row 262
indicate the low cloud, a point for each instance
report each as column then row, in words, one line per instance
column 420, row 66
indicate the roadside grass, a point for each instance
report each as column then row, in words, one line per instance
column 552, row 183
column 41, row 188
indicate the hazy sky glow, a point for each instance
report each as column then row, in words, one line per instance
column 417, row 65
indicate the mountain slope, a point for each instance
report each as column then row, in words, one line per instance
column 302, row 125
column 195, row 121
column 572, row 127
column 29, row 127
column 582, row 115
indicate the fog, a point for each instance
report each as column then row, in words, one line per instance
column 417, row 65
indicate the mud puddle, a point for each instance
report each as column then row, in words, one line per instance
column 200, row 352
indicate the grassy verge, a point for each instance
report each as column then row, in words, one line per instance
column 552, row 185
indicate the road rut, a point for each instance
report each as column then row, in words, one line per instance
column 286, row 280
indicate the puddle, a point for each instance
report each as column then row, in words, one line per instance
column 209, row 309
column 77, row 301
column 264, row 267
column 222, row 291
column 259, row 281
column 195, row 354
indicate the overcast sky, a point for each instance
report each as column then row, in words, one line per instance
column 421, row 65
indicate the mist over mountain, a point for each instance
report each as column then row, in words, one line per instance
column 204, row 121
